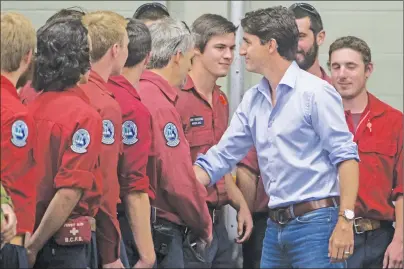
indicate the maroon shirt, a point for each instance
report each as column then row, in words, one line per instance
column 204, row 125
column 180, row 198
column 136, row 138
column 108, row 232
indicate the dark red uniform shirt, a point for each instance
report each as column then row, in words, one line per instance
column 204, row 126
column 27, row 93
column 379, row 136
column 68, row 148
column 108, row 232
column 136, row 138
column 18, row 137
column 180, row 198
column 261, row 199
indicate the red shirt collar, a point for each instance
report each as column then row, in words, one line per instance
column 79, row 91
column 189, row 85
column 160, row 82
column 99, row 81
column 124, row 83
column 375, row 106
column 324, row 75
column 8, row 86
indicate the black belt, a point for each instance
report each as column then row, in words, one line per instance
column 160, row 221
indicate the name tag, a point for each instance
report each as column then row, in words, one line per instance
column 196, row 121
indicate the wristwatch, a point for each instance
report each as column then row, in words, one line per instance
column 348, row 214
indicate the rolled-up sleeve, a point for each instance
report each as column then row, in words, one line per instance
column 232, row 147
column 328, row 120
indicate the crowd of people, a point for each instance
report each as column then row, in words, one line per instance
column 117, row 150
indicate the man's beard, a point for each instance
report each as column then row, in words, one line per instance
column 26, row 76
column 308, row 57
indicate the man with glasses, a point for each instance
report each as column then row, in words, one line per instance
column 306, row 155
column 151, row 12
column 180, row 199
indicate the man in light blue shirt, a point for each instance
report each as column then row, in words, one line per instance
column 297, row 124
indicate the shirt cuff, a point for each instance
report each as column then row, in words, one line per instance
column 344, row 153
column 201, row 162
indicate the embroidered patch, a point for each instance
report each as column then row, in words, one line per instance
column 19, row 133
column 171, row 135
column 80, row 141
column 223, row 99
column 108, row 132
column 129, row 133
column 196, row 121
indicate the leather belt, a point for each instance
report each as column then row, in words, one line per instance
column 18, row 240
column 362, row 225
column 214, row 214
column 284, row 214
column 164, row 222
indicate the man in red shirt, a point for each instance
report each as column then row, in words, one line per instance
column 311, row 36
column 134, row 212
column 18, row 135
column 67, row 149
column 204, row 111
column 109, row 38
column 180, row 198
column 25, row 90
column 378, row 131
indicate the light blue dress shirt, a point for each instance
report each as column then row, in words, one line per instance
column 299, row 141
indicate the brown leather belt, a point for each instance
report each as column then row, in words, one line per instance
column 214, row 214
column 18, row 240
column 285, row 214
column 362, row 225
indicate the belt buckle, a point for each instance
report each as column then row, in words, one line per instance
column 213, row 216
column 153, row 214
column 278, row 218
column 357, row 225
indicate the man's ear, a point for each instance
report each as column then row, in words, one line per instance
column 369, row 69
column 147, row 59
column 197, row 52
column 320, row 37
column 115, row 50
column 177, row 57
column 28, row 57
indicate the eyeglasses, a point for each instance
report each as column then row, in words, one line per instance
column 306, row 7
column 143, row 8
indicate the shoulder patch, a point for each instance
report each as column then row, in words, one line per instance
column 19, row 133
column 80, row 141
column 129, row 133
column 171, row 134
column 108, row 132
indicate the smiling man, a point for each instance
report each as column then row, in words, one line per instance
column 309, row 166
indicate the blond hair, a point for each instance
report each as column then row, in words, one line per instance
column 18, row 38
column 105, row 28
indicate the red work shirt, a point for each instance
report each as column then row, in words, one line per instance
column 27, row 93
column 324, row 76
column 204, row 125
column 261, row 199
column 136, row 138
column 379, row 136
column 18, row 137
column 108, row 232
column 180, row 198
column 68, row 148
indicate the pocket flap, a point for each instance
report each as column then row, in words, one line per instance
column 379, row 146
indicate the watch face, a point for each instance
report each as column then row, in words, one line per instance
column 349, row 214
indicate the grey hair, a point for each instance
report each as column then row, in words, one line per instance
column 169, row 36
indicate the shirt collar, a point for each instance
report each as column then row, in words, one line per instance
column 324, row 75
column 97, row 80
column 288, row 79
column 375, row 106
column 124, row 83
column 8, row 86
column 79, row 91
column 161, row 83
column 189, row 85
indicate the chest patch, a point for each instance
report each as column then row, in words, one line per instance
column 19, row 133
column 108, row 132
column 171, row 135
column 196, row 121
column 129, row 133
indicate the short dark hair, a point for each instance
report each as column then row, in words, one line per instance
column 63, row 55
column 71, row 12
column 354, row 43
column 274, row 23
column 209, row 25
column 303, row 10
column 151, row 11
column 139, row 42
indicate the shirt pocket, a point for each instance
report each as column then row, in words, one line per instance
column 200, row 142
